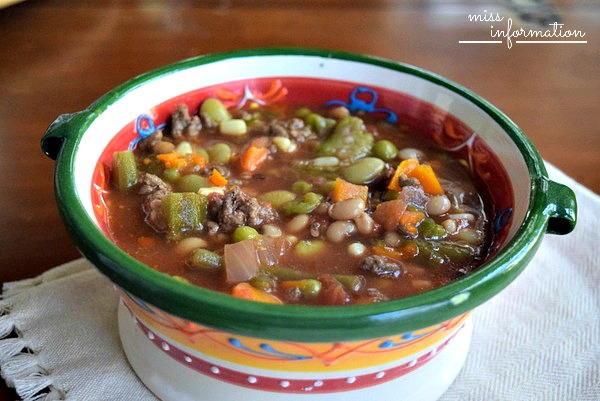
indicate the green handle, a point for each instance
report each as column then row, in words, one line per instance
column 561, row 208
column 59, row 131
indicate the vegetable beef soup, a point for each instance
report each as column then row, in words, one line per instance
column 297, row 205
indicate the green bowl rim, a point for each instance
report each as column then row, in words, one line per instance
column 295, row 322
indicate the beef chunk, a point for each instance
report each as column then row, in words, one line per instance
column 154, row 191
column 293, row 129
column 183, row 124
column 236, row 208
column 409, row 182
column 332, row 291
column 382, row 266
column 215, row 204
column 414, row 195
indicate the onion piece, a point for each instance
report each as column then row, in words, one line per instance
column 244, row 259
column 241, row 261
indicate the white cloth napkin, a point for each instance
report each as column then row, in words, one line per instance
column 538, row 340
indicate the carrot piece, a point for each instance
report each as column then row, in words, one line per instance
column 217, row 178
column 146, row 242
column 171, row 160
column 386, row 251
column 199, row 160
column 168, row 157
column 404, row 168
column 388, row 214
column 410, row 250
column 253, row 157
column 426, row 176
column 246, row 291
column 343, row 190
column 261, row 142
column 407, row 251
column 409, row 221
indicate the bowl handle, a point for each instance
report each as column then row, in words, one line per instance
column 561, row 208
column 59, row 131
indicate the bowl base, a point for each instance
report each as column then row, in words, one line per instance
column 169, row 380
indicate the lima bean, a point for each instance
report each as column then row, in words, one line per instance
column 385, row 150
column 278, row 198
column 309, row 249
column 192, row 183
column 242, row 233
column 215, row 110
column 219, row 153
column 363, row 170
column 309, row 202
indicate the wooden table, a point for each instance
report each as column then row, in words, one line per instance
column 58, row 56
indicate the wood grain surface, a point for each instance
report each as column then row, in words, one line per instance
column 59, row 56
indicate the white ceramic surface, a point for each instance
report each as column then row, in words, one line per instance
column 170, row 380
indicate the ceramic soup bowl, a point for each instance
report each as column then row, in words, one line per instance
column 191, row 343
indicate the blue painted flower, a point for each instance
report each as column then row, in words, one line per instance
column 144, row 126
column 356, row 104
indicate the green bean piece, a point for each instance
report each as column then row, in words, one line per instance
column 309, row 168
column 124, row 168
column 302, row 187
column 385, row 150
column 309, row 249
column 215, row 110
column 244, row 232
column 219, row 153
column 456, row 252
column 363, row 171
column 171, row 174
column 309, row 202
column 277, row 198
column 265, row 282
column 303, row 112
column 440, row 252
column 390, row 195
column 284, row 273
column 183, row 212
column 192, row 183
column 206, row 260
column 309, row 288
column 428, row 229
column 352, row 282
column 428, row 253
column 436, row 258
column 349, row 140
